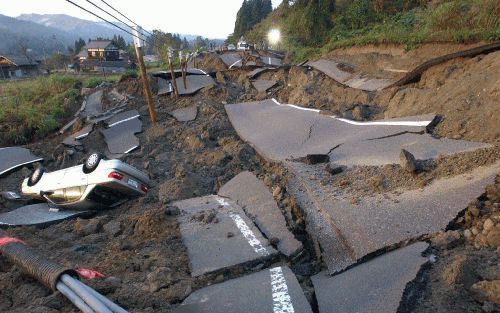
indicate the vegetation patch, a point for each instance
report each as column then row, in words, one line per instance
column 33, row 109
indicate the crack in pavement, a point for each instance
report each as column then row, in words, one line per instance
column 395, row 135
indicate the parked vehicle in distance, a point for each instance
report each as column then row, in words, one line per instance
column 243, row 46
column 98, row 183
column 231, row 47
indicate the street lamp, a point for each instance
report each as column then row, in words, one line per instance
column 274, row 36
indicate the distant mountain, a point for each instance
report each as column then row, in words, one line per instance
column 77, row 27
column 48, row 33
column 41, row 39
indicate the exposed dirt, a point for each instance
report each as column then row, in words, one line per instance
column 366, row 180
column 138, row 245
column 465, row 92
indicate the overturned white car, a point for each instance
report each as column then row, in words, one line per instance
column 98, row 183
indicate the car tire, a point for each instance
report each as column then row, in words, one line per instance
column 36, row 176
column 91, row 162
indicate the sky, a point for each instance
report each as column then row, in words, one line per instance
column 208, row 18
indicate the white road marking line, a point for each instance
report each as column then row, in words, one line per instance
column 390, row 123
column 235, row 63
column 125, row 120
column 249, row 235
column 245, row 230
column 373, row 123
column 282, row 303
column 130, row 149
column 303, row 109
column 82, row 136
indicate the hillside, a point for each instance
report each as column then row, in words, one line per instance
column 361, row 22
column 76, row 27
column 36, row 37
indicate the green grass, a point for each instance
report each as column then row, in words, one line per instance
column 94, row 81
column 32, row 109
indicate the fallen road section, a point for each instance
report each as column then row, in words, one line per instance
column 218, row 235
column 93, row 106
column 304, row 131
column 178, row 73
column 194, row 83
column 185, row 114
column 371, row 287
column 37, row 214
column 274, row 290
column 271, row 61
column 73, row 139
column 14, row 157
column 347, row 231
column 231, row 59
column 263, row 85
column 120, row 137
column 253, row 196
column 345, row 75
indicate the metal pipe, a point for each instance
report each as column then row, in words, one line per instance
column 74, row 298
column 110, row 304
column 88, row 297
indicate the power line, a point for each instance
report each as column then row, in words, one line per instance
column 115, row 17
column 105, row 20
column 109, row 5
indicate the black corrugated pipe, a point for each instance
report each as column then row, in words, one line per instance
column 55, row 276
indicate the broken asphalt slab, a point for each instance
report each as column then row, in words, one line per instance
column 73, row 139
column 263, row 85
column 301, row 131
column 178, row 73
column 347, row 231
column 164, row 86
column 194, row 83
column 344, row 74
column 257, row 72
column 371, row 287
column 93, row 104
column 274, row 290
column 231, row 59
column 121, row 137
column 218, row 235
column 122, row 117
column 271, row 61
column 13, row 157
column 185, row 114
column 253, row 196
column 36, row 214
column 304, row 131
column 386, row 150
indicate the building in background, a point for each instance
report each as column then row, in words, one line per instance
column 18, row 67
column 102, row 56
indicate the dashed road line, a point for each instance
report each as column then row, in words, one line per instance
column 282, row 303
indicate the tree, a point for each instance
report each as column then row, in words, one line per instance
column 79, row 44
column 310, row 20
column 250, row 13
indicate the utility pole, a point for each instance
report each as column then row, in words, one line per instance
column 138, row 43
column 172, row 72
column 183, row 72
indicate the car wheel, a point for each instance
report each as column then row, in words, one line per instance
column 91, row 163
column 36, row 176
